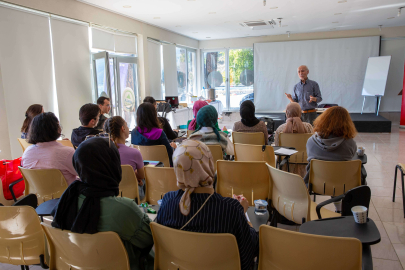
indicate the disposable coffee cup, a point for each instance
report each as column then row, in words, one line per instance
column 360, row 151
column 359, row 214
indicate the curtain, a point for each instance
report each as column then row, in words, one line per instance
column 155, row 69
column 170, row 68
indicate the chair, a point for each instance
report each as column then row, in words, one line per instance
column 22, row 240
column 129, row 184
column 176, row 249
column 103, row 250
column 66, row 143
column 155, row 152
column 47, row 184
column 248, row 152
column 250, row 178
column 217, row 154
column 256, row 138
column 333, row 178
column 401, row 168
column 290, row 198
column 24, row 143
column 189, row 132
column 357, row 196
column 159, row 181
column 284, row 249
column 299, row 142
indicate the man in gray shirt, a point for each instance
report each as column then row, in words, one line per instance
column 307, row 94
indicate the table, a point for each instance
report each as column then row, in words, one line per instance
column 256, row 220
column 363, row 159
column 287, row 157
column 367, row 233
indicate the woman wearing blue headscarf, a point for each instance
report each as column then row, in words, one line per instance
column 206, row 132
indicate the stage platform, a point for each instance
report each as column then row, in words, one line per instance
column 366, row 122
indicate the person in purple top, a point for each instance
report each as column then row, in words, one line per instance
column 149, row 130
column 118, row 129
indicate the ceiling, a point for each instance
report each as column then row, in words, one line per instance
column 218, row 19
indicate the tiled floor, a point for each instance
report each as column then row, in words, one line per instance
column 384, row 151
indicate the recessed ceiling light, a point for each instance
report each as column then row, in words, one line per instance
column 208, row 37
column 335, row 22
column 274, row 8
column 391, row 18
column 284, row 26
column 126, row 6
column 212, row 13
column 338, row 14
column 156, row 17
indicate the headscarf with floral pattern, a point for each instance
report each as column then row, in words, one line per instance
column 194, row 167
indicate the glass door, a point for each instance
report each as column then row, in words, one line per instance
column 127, row 88
column 215, row 73
column 101, row 75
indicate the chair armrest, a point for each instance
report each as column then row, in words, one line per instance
column 11, row 188
column 331, row 200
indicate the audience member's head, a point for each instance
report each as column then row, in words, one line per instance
column 117, row 128
column 335, row 121
column 294, row 123
column 146, row 117
column 194, row 167
column 44, row 128
column 98, row 164
column 196, row 107
column 104, row 104
column 31, row 112
column 150, row 100
column 247, row 114
column 89, row 115
column 208, row 117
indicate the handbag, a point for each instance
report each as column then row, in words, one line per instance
column 10, row 173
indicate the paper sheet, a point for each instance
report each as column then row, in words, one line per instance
column 247, row 217
column 285, row 151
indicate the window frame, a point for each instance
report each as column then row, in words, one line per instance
column 188, row 98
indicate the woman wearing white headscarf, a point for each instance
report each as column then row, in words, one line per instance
column 191, row 208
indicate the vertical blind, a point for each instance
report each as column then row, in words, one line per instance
column 26, row 67
column 70, row 42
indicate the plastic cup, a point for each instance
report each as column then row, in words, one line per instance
column 360, row 214
column 159, row 202
column 360, row 151
column 260, row 207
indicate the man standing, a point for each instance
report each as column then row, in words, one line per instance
column 104, row 105
column 307, row 94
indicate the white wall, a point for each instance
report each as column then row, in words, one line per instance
column 393, row 45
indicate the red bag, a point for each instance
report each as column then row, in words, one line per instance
column 9, row 173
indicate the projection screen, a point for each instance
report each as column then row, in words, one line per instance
column 338, row 65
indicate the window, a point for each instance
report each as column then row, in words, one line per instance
column 230, row 73
column 186, row 74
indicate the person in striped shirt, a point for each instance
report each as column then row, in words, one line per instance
column 194, row 168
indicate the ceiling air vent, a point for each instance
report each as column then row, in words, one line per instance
column 259, row 25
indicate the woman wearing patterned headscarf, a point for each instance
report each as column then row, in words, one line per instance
column 207, row 119
column 191, row 207
column 91, row 205
column 192, row 124
column 249, row 122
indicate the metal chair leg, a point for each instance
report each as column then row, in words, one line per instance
column 395, row 183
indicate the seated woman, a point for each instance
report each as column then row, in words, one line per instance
column 293, row 123
column 46, row 152
column 118, row 129
column 31, row 112
column 149, row 131
column 249, row 123
column 192, row 124
column 333, row 138
column 207, row 133
column 89, row 115
column 92, row 205
column 190, row 208
column 170, row 133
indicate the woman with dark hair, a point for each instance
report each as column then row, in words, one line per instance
column 46, row 152
column 118, row 129
column 249, row 122
column 333, row 138
column 31, row 112
column 206, row 132
column 89, row 116
column 92, row 205
column 170, row 133
column 149, row 131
